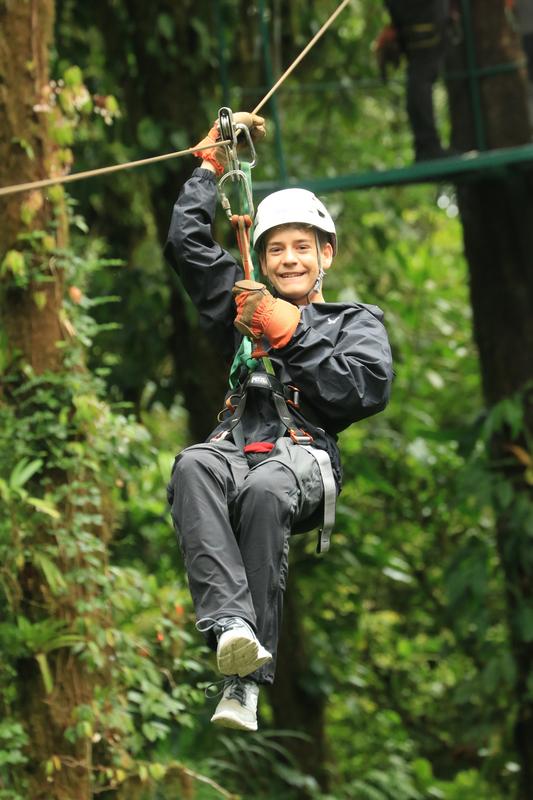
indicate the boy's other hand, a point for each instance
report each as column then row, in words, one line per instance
column 259, row 314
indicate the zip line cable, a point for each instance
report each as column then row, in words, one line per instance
column 304, row 52
column 91, row 173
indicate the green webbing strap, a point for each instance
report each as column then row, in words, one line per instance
column 243, row 356
column 245, row 167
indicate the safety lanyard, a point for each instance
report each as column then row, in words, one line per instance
column 240, row 173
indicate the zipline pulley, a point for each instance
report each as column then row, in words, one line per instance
column 230, row 131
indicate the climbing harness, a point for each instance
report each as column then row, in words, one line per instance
column 283, row 397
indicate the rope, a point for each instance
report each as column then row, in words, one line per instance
column 91, row 173
column 242, row 224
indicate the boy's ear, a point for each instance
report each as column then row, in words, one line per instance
column 262, row 263
column 327, row 255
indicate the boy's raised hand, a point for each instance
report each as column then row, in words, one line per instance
column 254, row 122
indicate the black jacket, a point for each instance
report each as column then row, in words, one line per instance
column 339, row 356
column 406, row 13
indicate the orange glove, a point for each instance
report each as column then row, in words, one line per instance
column 216, row 155
column 259, row 314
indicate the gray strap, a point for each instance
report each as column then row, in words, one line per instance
column 330, row 496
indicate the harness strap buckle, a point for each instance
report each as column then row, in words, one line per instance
column 300, row 436
column 294, row 397
column 330, row 497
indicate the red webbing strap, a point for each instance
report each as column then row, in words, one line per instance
column 242, row 224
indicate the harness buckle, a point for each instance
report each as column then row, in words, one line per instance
column 294, row 400
column 300, row 436
column 219, row 437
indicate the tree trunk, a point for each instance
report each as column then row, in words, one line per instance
column 497, row 216
column 31, row 296
column 296, row 704
column 25, row 35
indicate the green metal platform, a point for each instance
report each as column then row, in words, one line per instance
column 473, row 165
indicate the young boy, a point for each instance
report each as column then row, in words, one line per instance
column 272, row 465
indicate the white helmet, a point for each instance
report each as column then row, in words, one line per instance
column 293, row 206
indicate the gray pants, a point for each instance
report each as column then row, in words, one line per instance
column 233, row 522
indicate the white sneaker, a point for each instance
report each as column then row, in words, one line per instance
column 238, row 706
column 239, row 651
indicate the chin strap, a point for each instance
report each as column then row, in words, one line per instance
column 318, row 283
column 321, row 272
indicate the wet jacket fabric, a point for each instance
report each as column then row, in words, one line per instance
column 339, row 356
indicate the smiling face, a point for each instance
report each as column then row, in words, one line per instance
column 290, row 262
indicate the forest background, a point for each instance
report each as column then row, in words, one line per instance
column 407, row 673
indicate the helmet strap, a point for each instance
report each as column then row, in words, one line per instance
column 317, row 286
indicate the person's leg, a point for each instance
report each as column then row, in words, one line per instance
column 422, row 72
column 283, row 489
column 527, row 41
column 527, row 44
column 205, row 481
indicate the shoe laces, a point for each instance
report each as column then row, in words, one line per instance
column 236, row 690
column 220, row 625
column 233, row 688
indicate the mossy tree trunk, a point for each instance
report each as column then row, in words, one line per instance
column 497, row 217
column 33, row 322
column 25, row 155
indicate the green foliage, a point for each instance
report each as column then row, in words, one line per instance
column 261, row 765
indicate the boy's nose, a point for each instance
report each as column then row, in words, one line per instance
column 290, row 256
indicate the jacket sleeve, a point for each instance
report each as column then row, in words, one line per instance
column 207, row 271
column 340, row 359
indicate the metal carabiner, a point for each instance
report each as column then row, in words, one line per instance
column 240, row 126
column 235, row 175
